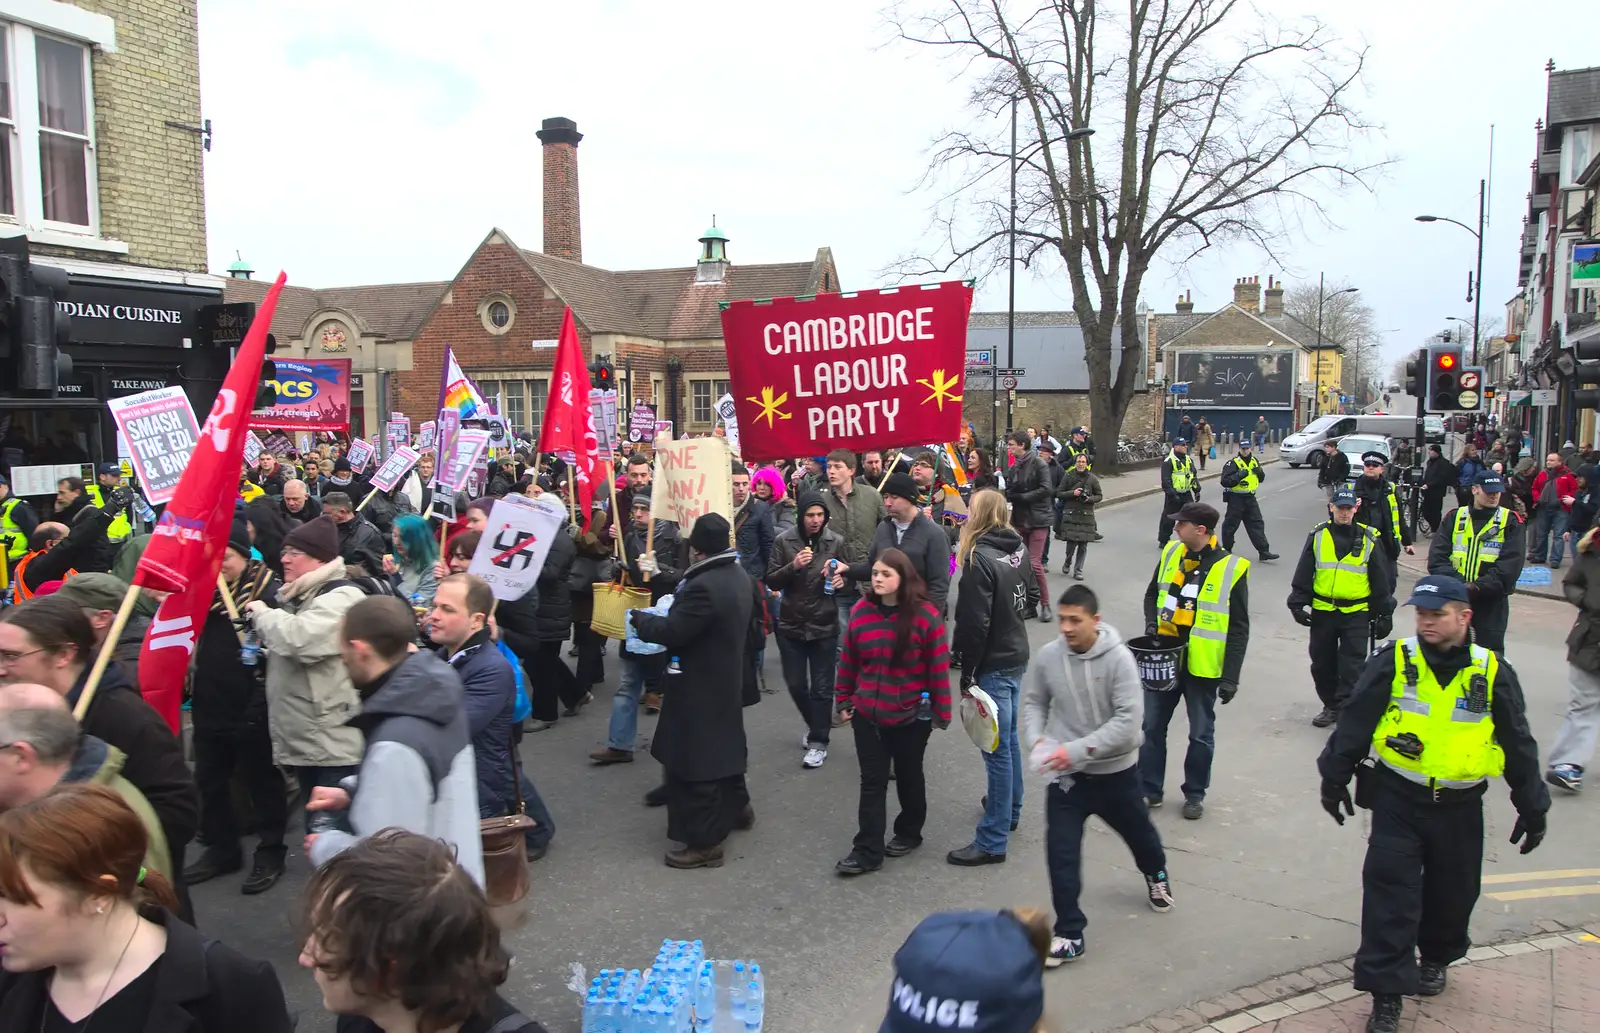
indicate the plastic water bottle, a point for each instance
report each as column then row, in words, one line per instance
column 591, row 1011
column 925, row 708
column 673, row 667
column 827, row 577
column 755, row 1008
column 250, row 648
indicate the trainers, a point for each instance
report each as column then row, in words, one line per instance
column 1385, row 1017
column 1566, row 776
column 1433, row 979
column 1327, row 717
column 1193, row 808
column 814, row 757
column 1160, row 888
column 572, row 711
column 1063, row 950
column 1152, row 802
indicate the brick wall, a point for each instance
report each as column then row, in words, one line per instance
column 152, row 194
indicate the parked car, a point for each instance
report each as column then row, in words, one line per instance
column 1354, row 446
column 1305, row 446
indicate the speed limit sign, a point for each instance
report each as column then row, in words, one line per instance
column 1010, row 383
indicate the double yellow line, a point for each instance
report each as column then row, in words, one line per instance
column 1589, row 887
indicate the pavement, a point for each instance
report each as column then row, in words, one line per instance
column 1266, row 885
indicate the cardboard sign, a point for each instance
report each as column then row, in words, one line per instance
column 730, row 423
column 449, row 427
column 465, row 454
column 692, row 478
column 603, row 404
column 664, row 429
column 642, row 422
column 397, row 433
column 425, row 435
column 312, row 395
column 872, row 369
column 161, row 432
column 360, row 452
column 399, row 463
column 252, row 449
column 516, row 540
column 475, row 481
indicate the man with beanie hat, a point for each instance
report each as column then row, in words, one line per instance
column 700, row 738
column 1029, row 490
column 310, row 699
column 229, row 708
column 913, row 534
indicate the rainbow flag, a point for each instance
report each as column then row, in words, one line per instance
column 457, row 392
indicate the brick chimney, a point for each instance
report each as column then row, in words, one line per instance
column 1246, row 293
column 1273, row 303
column 1186, row 304
column 562, row 233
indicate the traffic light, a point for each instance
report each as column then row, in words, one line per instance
column 1586, row 356
column 602, row 376
column 41, row 329
column 1444, row 370
column 1417, row 375
column 266, row 392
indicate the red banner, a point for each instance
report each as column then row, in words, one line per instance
column 185, row 551
column 569, row 418
column 873, row 369
column 313, row 394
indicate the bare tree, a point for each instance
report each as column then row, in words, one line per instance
column 1349, row 325
column 1220, row 126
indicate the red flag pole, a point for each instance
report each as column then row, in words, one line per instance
column 103, row 658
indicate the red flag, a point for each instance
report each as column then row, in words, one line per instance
column 185, row 551
column 569, row 418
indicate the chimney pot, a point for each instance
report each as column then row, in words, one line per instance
column 562, row 228
column 1247, row 293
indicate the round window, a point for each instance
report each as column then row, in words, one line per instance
column 499, row 314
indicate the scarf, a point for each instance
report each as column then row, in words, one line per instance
column 246, row 588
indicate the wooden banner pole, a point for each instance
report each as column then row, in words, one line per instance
column 366, row 500
column 102, row 659
column 229, row 604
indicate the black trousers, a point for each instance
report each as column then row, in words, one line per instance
column 876, row 747
column 701, row 814
column 591, row 665
column 1338, row 653
column 218, row 756
column 1419, row 885
column 808, row 669
column 1244, row 507
column 1117, row 799
column 1433, row 506
column 1489, row 624
column 1166, row 522
column 552, row 682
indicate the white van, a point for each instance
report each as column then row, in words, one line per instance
column 1305, row 446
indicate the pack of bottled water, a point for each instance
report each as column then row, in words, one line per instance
column 636, row 645
column 681, row 992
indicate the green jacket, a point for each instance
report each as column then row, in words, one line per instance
column 98, row 763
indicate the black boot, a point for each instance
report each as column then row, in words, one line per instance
column 265, row 871
column 1385, row 1017
column 1433, row 979
column 209, row 866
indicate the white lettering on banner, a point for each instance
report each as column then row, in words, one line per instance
column 839, row 378
column 172, row 632
column 841, row 420
column 862, row 330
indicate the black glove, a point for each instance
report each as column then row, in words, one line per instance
column 118, row 500
column 1301, row 615
column 1336, row 801
column 1531, row 826
column 1226, row 690
column 1382, row 626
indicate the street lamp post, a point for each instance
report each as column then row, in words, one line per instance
column 1322, row 297
column 1477, row 290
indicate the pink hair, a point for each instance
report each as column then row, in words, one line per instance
column 770, row 477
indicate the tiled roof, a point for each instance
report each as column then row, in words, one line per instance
column 1171, row 324
column 667, row 304
column 1573, row 97
column 992, row 320
column 393, row 311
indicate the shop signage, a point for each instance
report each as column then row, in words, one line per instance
column 134, row 313
column 224, row 326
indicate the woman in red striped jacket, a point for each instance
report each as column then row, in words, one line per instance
column 894, row 681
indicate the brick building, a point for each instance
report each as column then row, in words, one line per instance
column 501, row 314
column 102, row 137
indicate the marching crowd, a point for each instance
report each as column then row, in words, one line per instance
column 354, row 677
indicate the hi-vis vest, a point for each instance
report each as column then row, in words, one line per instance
column 1182, row 471
column 1208, row 639
column 15, row 542
column 1252, row 477
column 19, row 586
column 1367, row 517
column 1470, row 553
column 1341, row 582
column 1074, row 451
column 1458, row 747
column 120, row 529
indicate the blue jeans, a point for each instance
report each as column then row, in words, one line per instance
column 844, row 601
column 637, row 674
column 1004, row 765
column 1158, row 710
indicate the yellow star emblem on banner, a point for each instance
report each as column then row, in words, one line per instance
column 942, row 389
column 769, row 406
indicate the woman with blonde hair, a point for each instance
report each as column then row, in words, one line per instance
column 997, row 595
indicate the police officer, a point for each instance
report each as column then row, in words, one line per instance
column 1442, row 717
column 17, row 523
column 1241, row 476
column 1379, row 509
column 1180, row 484
column 108, row 478
column 1078, row 444
column 1341, row 592
column 1199, row 596
column 1485, row 547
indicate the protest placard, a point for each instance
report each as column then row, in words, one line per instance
column 516, row 539
column 692, row 478
column 864, row 370
column 399, row 463
column 425, row 435
column 642, row 422
column 360, row 451
column 730, row 422
column 603, row 404
column 252, row 448
column 463, row 456
column 161, row 432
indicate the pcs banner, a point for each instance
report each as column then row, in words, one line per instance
column 312, row 395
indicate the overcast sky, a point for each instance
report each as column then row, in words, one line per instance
column 373, row 142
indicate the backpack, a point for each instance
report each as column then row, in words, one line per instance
column 365, row 585
column 524, row 706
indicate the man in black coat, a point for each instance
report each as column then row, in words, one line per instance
column 753, row 527
column 1438, row 477
column 1334, row 472
column 1032, row 498
column 906, row 529
column 700, row 738
column 360, row 543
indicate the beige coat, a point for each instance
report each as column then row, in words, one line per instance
column 1203, row 438
column 309, row 695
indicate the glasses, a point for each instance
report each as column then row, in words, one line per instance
column 11, row 656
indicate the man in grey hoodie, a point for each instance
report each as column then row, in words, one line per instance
column 1084, row 701
column 418, row 771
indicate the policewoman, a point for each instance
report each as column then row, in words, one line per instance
column 1340, row 591
column 1439, row 717
column 1241, row 476
column 1180, row 484
column 1485, row 546
column 1379, row 509
column 1198, row 595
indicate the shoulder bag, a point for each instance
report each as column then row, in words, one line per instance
column 505, row 852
